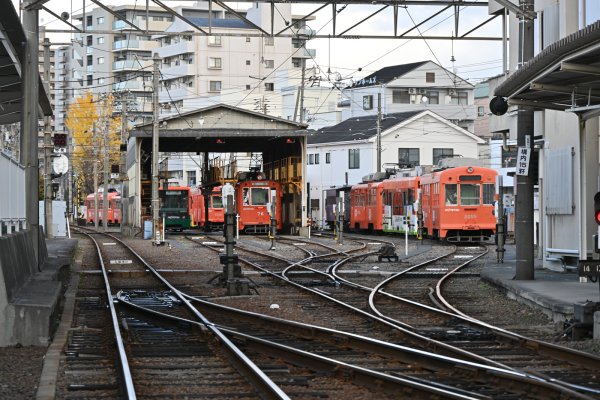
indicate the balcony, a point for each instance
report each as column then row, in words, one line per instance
column 305, row 53
column 129, row 85
column 176, row 71
column 120, row 25
column 175, row 49
column 128, row 65
column 127, row 44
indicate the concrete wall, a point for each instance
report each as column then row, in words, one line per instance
column 27, row 306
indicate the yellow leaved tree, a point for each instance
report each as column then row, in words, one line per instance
column 95, row 130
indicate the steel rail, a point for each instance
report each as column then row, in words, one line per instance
column 251, row 371
column 125, row 370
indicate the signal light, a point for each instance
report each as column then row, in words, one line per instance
column 60, row 139
column 597, row 207
column 220, row 141
column 290, row 140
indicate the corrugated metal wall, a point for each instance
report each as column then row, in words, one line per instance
column 12, row 195
column 559, row 181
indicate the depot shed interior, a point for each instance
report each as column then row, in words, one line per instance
column 219, row 129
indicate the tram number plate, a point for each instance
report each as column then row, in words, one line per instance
column 589, row 267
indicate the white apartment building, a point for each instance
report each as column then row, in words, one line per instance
column 410, row 87
column 117, row 62
column 232, row 65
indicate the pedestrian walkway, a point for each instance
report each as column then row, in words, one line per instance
column 554, row 292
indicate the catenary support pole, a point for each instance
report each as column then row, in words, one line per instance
column 524, row 196
column 29, row 123
column 155, row 174
column 47, row 149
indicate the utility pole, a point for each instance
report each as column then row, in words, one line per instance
column 105, row 174
column 155, row 173
column 122, row 159
column 378, row 132
column 302, row 90
column 524, row 196
column 29, row 123
column 95, row 172
column 47, row 149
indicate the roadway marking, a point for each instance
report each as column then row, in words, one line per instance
column 299, row 244
column 209, row 243
column 375, row 243
column 197, row 237
column 436, row 269
column 465, row 256
column 109, row 244
column 121, row 261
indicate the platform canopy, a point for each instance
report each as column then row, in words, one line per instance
column 564, row 76
column 12, row 53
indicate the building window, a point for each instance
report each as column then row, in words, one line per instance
column 100, row 60
column 248, row 87
column 90, row 80
column 191, row 175
column 89, row 40
column 215, row 86
column 100, row 40
column 316, row 158
column 400, row 96
column 311, row 159
column 367, row 102
column 269, row 87
column 327, row 158
column 458, row 97
column 247, row 40
column 353, row 158
column 100, row 20
column 269, row 64
column 88, row 20
column 247, row 62
column 214, row 63
column 101, row 81
column 296, row 62
column 433, row 97
column 430, row 77
column 439, row 154
column 269, row 41
column 480, row 111
column 408, row 157
column 214, row 40
column 90, row 60
column 158, row 18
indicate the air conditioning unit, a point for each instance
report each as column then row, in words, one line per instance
column 422, row 91
column 412, row 90
column 451, row 92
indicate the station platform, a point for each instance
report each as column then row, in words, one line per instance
column 556, row 293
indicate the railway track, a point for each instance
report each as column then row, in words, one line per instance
column 169, row 353
column 326, row 286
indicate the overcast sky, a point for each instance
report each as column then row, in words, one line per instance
column 357, row 58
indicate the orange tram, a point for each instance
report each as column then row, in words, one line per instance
column 255, row 199
column 455, row 204
column 113, row 212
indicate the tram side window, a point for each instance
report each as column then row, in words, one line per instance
column 469, row 194
column 217, row 202
column 489, row 190
column 246, row 197
column 260, row 197
column 451, row 194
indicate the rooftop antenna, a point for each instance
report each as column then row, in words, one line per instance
column 452, row 59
